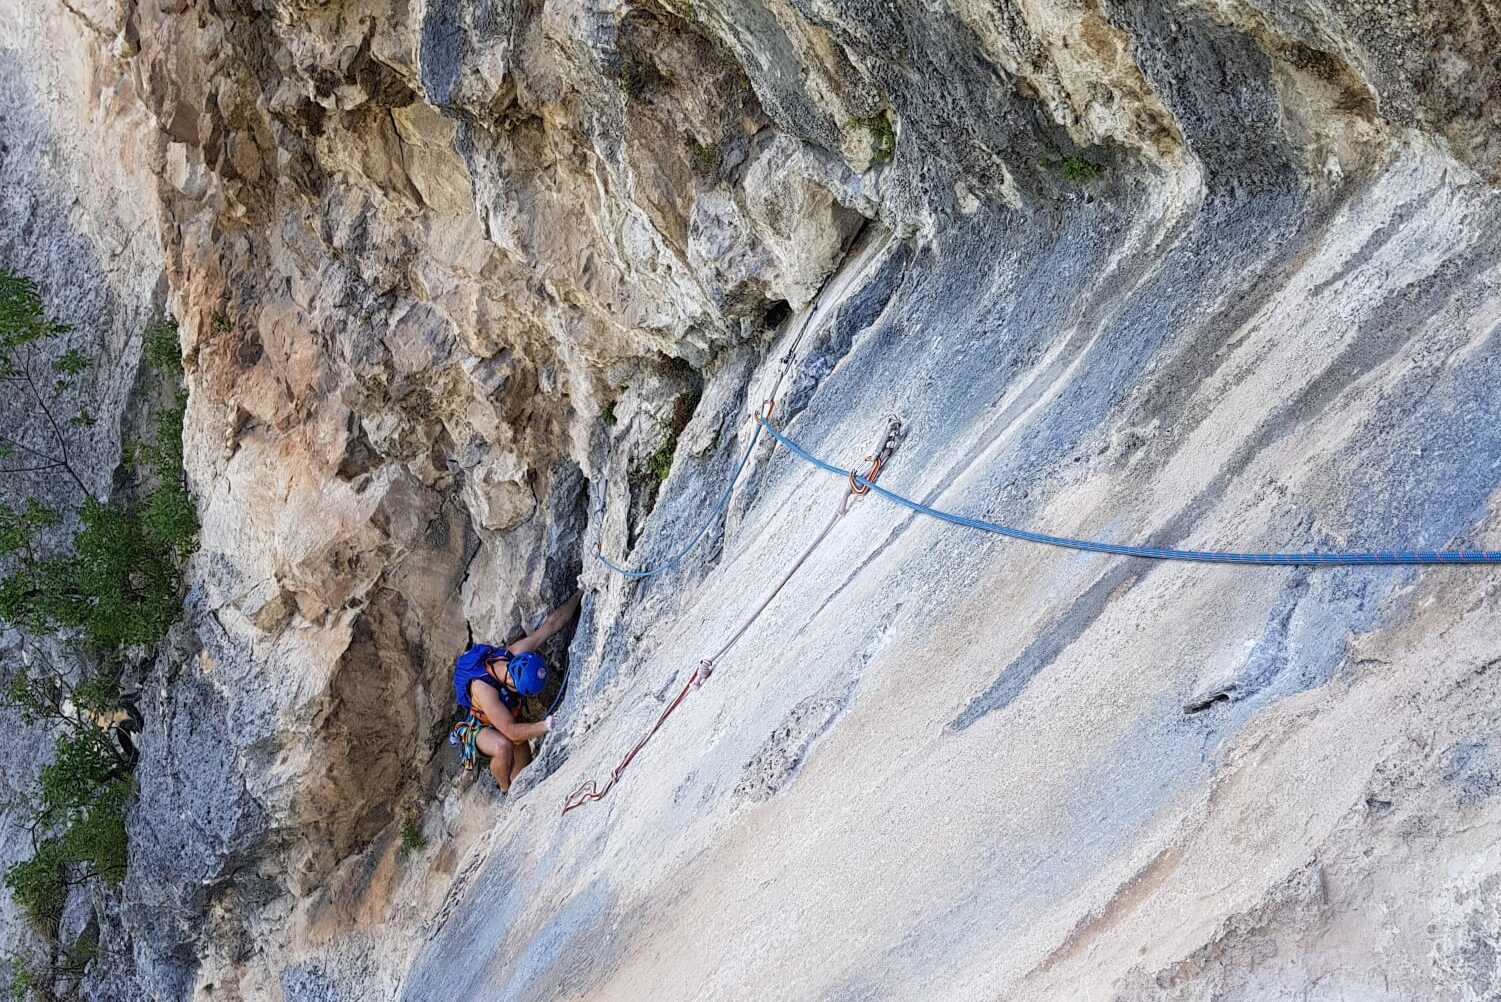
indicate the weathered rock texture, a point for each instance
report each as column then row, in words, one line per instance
column 453, row 277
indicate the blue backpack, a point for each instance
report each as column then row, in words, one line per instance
column 470, row 666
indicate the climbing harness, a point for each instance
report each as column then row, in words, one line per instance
column 1382, row 558
column 590, row 789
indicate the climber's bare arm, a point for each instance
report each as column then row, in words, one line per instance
column 502, row 719
column 554, row 622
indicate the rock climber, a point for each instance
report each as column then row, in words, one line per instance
column 490, row 683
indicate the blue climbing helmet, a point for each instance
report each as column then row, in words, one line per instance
column 528, row 673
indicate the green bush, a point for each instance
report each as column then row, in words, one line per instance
column 654, row 469
column 95, row 838
column 24, row 978
column 78, row 809
column 84, row 949
column 1074, row 168
column 30, row 979
column 39, row 886
column 1079, row 170
column 119, row 585
column 160, row 347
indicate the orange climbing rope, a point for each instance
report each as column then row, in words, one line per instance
column 590, row 789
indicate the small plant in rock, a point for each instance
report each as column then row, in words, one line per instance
column 640, row 77
column 219, row 323
column 661, row 460
column 882, row 135
column 412, row 839
column 1074, row 168
column 25, row 978
column 1079, row 170
column 58, row 979
column 607, row 415
column 705, row 155
column 654, row 469
column 160, row 348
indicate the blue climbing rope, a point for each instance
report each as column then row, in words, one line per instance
column 719, row 507
column 1386, row 558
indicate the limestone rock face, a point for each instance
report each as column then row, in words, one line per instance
column 467, row 290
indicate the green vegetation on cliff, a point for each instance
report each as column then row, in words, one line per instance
column 88, row 585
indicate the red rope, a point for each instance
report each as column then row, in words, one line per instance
column 591, row 790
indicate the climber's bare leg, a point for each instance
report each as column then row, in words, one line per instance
column 521, row 758
column 502, row 756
